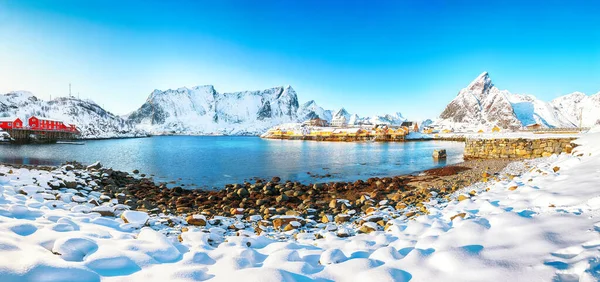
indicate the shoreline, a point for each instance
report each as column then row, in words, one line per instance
column 315, row 200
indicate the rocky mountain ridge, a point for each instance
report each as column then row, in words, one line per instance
column 482, row 104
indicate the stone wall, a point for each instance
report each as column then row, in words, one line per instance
column 509, row 148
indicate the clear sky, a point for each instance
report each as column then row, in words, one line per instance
column 368, row 56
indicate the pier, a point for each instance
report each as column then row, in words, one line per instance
column 26, row 135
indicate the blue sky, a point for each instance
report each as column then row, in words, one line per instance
column 368, row 56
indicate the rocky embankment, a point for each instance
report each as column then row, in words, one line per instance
column 264, row 206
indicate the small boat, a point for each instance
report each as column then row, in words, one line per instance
column 70, row 142
column 5, row 138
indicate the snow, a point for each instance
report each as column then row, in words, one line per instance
column 91, row 120
column 482, row 105
column 543, row 224
column 201, row 110
column 135, row 218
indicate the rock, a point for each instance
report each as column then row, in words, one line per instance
column 371, row 210
column 513, row 188
column 135, row 171
column 281, row 198
column 439, row 154
column 135, row 218
column 95, row 165
column 104, row 210
column 462, row 197
column 242, row 193
column 368, row 227
column 70, row 184
column 93, row 202
column 461, row 215
column 401, row 206
column 343, row 233
column 341, row 218
column 556, row 169
column 196, row 220
column 78, row 199
column 292, row 225
column 283, row 221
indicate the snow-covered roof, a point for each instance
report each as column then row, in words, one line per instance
column 48, row 119
column 8, row 119
column 346, row 130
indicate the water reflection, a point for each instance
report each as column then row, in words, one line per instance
column 215, row 161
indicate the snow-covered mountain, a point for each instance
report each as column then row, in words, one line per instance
column 202, row 110
column 91, row 119
column 342, row 113
column 529, row 110
column 310, row 110
column 579, row 108
column 481, row 104
column 390, row 119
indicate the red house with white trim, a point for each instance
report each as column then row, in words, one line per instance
column 10, row 123
column 38, row 123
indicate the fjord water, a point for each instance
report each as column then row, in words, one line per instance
column 203, row 161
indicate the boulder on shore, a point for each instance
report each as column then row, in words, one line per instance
column 439, row 154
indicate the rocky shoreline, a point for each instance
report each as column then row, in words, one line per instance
column 266, row 206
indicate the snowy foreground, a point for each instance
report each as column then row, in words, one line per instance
column 541, row 225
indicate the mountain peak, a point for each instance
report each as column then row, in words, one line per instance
column 481, row 83
column 342, row 113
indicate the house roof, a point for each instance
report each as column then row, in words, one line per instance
column 8, row 119
column 533, row 124
column 48, row 119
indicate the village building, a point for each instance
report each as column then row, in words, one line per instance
column 317, row 122
column 339, row 122
column 533, row 126
column 10, row 123
column 411, row 125
column 37, row 123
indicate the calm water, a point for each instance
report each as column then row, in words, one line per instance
column 214, row 161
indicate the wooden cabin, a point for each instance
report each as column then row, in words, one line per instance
column 10, row 123
column 413, row 126
column 533, row 126
column 318, row 122
column 38, row 123
column 339, row 122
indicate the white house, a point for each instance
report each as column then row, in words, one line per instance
column 339, row 121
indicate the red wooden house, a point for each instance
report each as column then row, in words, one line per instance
column 38, row 123
column 72, row 128
column 10, row 123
